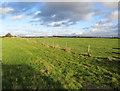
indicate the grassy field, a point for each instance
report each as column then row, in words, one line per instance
column 60, row 63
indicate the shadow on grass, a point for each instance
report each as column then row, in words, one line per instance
column 107, row 69
column 116, row 57
column 111, row 65
column 116, row 53
column 103, row 58
column 116, row 48
column 23, row 76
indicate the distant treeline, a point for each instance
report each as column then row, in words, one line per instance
column 66, row 37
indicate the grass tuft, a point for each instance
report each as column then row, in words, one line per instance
column 57, row 47
column 68, row 50
column 110, row 58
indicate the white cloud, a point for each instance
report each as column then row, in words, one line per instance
column 103, row 20
column 102, row 25
column 79, row 33
column 100, row 29
column 93, row 30
column 54, row 23
column 107, row 25
column 36, row 19
column 64, row 27
column 26, row 25
column 88, row 16
column 4, row 11
column 114, row 16
column 18, row 17
column 95, row 25
column 53, row 16
column 37, row 12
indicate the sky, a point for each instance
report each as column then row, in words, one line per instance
column 59, row 18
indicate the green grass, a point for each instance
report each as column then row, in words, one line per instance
column 99, row 47
column 31, row 63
